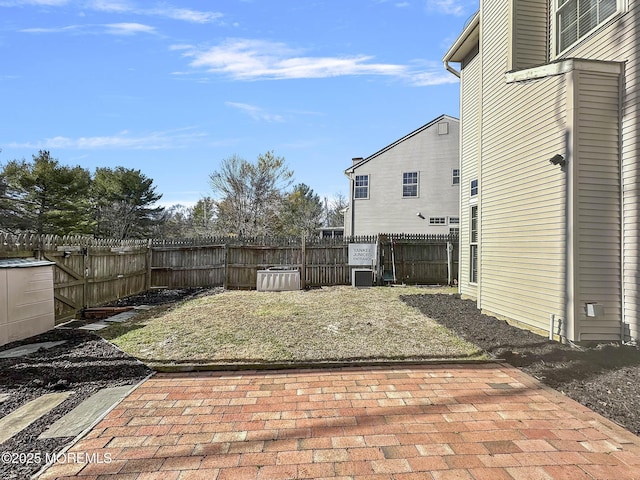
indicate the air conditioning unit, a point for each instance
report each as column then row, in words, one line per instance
column 362, row 277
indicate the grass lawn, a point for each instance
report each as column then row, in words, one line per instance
column 328, row 324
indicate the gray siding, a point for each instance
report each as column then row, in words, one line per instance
column 434, row 156
column 470, row 103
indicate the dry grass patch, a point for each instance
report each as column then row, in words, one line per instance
column 328, row 324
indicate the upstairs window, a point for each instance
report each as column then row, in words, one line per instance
column 410, row 184
column 361, row 186
column 578, row 18
column 474, row 187
column 455, row 176
column 437, row 221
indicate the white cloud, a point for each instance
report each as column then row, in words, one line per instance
column 255, row 112
column 109, row 28
column 246, row 59
column 449, row 7
column 123, row 6
column 162, row 140
column 112, row 6
column 128, row 28
column 193, row 16
column 46, row 3
column 167, row 11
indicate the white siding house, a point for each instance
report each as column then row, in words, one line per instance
column 549, row 164
column 410, row 186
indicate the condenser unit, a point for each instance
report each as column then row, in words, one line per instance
column 362, row 277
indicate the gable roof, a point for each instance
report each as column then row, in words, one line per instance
column 406, row 137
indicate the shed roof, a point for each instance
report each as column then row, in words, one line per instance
column 24, row 263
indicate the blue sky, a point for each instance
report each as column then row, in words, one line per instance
column 174, row 87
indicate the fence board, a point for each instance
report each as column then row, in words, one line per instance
column 91, row 272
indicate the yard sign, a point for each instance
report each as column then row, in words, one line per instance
column 362, row 254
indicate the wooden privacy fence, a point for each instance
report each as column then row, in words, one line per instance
column 91, row 272
column 88, row 272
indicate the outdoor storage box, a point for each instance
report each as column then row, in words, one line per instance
column 278, row 280
column 26, row 299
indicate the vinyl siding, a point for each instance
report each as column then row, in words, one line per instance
column 530, row 249
column 618, row 41
column 598, row 213
column 530, row 34
column 523, row 196
column 434, row 157
column 470, row 101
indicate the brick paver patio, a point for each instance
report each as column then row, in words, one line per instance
column 439, row 422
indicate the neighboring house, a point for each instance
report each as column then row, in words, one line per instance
column 550, row 196
column 410, row 186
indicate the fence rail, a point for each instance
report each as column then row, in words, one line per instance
column 92, row 272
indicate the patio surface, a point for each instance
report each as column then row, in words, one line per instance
column 485, row 421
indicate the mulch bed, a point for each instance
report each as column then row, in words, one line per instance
column 605, row 378
column 84, row 364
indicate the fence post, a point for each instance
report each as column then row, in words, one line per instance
column 303, row 270
column 85, row 275
column 149, row 259
column 225, row 270
column 449, row 261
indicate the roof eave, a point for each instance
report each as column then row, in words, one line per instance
column 467, row 40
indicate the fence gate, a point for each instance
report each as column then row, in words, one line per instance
column 70, row 287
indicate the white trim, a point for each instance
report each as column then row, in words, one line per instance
column 417, row 184
column 562, row 67
column 368, row 187
column 621, row 7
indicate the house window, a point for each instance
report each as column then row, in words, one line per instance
column 473, row 245
column 474, row 187
column 361, row 187
column 410, row 184
column 454, row 220
column 578, row 18
column 454, row 231
column 455, row 176
column 437, row 221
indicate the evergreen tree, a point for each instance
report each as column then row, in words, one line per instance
column 125, row 204
column 45, row 197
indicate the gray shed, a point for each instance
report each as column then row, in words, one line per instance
column 26, row 298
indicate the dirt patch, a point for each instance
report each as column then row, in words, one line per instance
column 157, row 297
column 605, row 378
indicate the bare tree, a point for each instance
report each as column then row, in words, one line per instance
column 248, row 195
column 334, row 210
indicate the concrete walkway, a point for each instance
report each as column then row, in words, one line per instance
column 425, row 422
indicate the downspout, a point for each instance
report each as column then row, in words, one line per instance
column 353, row 205
column 450, row 69
column 622, row 213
